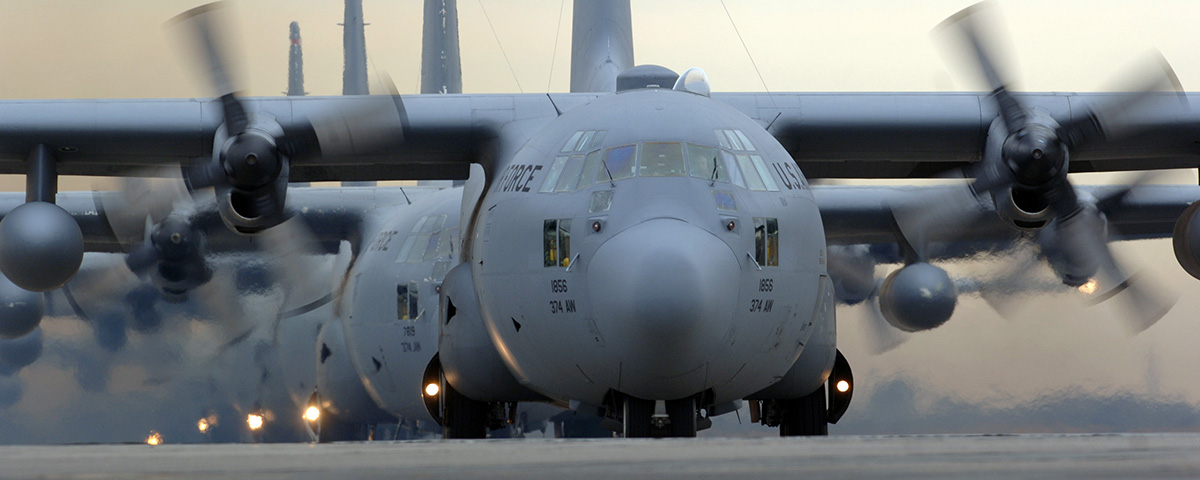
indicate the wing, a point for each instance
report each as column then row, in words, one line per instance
column 855, row 215
column 433, row 137
column 922, row 135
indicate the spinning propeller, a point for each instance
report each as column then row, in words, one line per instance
column 1026, row 160
column 247, row 175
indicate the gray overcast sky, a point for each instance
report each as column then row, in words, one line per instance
column 118, row 48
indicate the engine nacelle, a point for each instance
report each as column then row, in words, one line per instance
column 852, row 270
column 918, row 297
column 173, row 258
column 1022, row 209
column 254, row 211
column 469, row 359
column 1186, row 240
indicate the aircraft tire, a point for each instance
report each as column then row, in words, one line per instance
column 464, row 417
column 804, row 417
column 683, row 417
column 637, row 417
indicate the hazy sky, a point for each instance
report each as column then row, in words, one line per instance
column 119, row 48
column 1052, row 348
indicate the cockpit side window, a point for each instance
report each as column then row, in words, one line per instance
column 731, row 166
column 570, row 174
column 662, row 160
column 556, row 169
column 592, row 172
column 753, row 181
column 703, row 163
column 765, row 174
column 573, row 142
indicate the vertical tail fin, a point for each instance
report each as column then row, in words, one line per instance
column 601, row 44
column 441, row 65
column 295, row 64
column 354, row 43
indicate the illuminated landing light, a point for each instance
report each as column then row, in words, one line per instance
column 432, row 389
column 312, row 414
column 202, row 425
column 1089, row 287
column 154, row 439
column 255, row 421
column 843, row 386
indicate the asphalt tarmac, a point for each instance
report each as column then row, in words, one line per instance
column 900, row 457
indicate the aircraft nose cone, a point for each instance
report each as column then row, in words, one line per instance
column 664, row 293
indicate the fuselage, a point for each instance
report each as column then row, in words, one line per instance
column 653, row 243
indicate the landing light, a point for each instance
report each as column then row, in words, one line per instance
column 432, row 389
column 154, row 438
column 202, row 425
column 312, row 414
column 1089, row 287
column 255, row 421
column 843, row 386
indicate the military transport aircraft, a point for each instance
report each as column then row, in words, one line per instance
column 652, row 254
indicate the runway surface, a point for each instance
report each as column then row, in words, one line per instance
column 1025, row 456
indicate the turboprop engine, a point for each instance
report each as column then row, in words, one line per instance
column 1186, row 240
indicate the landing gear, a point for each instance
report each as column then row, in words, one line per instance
column 637, row 415
column 682, row 414
column 803, row 417
column 648, row 418
column 462, row 416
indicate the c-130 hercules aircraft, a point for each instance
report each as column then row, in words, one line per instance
column 653, row 256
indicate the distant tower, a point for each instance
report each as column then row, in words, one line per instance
column 441, row 66
column 354, row 43
column 295, row 64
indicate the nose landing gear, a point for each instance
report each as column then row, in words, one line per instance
column 643, row 418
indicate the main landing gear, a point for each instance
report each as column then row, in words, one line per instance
column 811, row 414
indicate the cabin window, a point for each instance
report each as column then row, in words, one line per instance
column 550, row 242
column 766, row 241
column 406, row 302
column 662, row 160
column 556, row 242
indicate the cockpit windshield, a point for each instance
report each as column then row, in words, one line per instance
column 736, row 161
